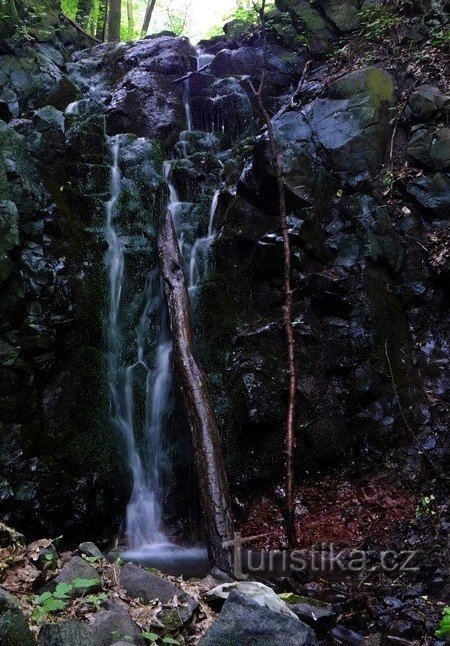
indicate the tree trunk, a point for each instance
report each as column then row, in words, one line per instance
column 130, row 19
column 115, row 9
column 102, row 20
column 208, row 456
column 148, row 16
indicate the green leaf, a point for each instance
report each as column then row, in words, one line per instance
column 151, row 637
column 63, row 590
column 290, row 597
column 52, row 605
column 444, row 626
column 170, row 640
column 43, row 597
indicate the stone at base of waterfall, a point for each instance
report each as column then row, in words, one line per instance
column 244, row 621
column 146, row 586
column 67, row 633
column 14, row 630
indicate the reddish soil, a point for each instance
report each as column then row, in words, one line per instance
column 347, row 513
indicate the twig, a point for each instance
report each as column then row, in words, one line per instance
column 77, row 26
column 189, row 74
column 288, row 302
column 293, row 102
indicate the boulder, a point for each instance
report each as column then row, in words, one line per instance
column 432, row 192
column 243, row 620
column 430, row 147
column 142, row 584
column 351, row 125
column 14, row 630
column 426, row 103
column 344, row 14
column 67, row 633
column 77, row 568
column 115, row 624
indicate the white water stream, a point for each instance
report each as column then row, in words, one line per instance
column 145, row 535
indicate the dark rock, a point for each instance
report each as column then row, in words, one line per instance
column 243, row 621
column 351, row 125
column 343, row 14
column 142, row 584
column 319, row 615
column 9, row 235
column 14, row 630
column 77, row 568
column 431, row 148
column 433, row 194
column 67, row 633
column 115, row 624
column 426, row 103
column 90, row 549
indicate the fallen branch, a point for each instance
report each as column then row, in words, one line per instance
column 213, row 485
column 189, row 74
column 80, row 29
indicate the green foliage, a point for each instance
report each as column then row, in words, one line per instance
column 424, row 507
column 69, row 7
column 48, row 602
column 290, row 597
column 96, row 599
column 377, row 21
column 444, row 626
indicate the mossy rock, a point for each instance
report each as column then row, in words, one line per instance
column 14, row 630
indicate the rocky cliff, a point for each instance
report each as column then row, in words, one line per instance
column 366, row 157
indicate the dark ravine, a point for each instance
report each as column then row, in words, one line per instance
column 366, row 172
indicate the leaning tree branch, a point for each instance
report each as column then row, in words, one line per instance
column 210, row 467
column 80, row 29
column 288, row 300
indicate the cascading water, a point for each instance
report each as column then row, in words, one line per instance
column 145, row 535
column 144, row 515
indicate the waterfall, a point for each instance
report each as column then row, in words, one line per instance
column 152, row 372
column 144, row 513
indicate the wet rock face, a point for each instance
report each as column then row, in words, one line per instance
column 362, row 290
column 137, row 83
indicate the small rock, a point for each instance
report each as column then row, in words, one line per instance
column 67, row 633
column 14, row 629
column 348, row 637
column 90, row 549
column 314, row 613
